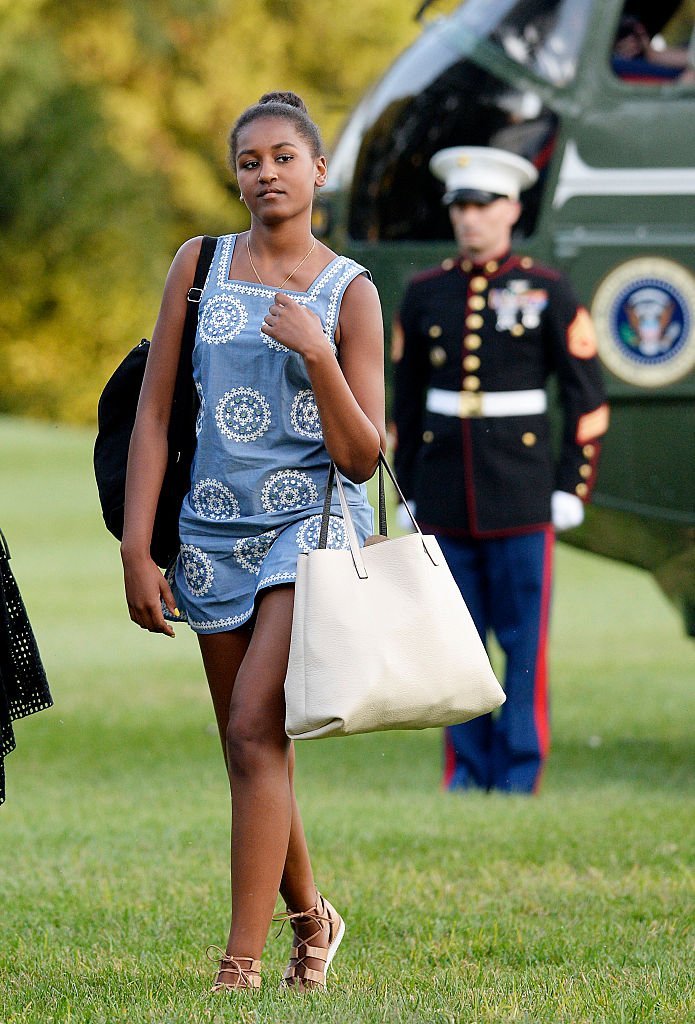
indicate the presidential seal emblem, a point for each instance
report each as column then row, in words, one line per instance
column 643, row 312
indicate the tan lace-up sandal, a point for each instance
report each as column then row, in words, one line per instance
column 298, row 975
column 243, row 971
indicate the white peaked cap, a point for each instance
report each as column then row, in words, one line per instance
column 480, row 169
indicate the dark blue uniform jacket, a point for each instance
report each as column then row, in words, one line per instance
column 510, row 325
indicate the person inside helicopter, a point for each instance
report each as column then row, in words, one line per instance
column 645, row 57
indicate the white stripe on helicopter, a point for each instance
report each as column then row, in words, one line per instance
column 579, row 179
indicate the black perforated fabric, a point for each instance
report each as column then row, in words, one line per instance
column 23, row 684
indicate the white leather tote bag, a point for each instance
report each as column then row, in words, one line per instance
column 381, row 637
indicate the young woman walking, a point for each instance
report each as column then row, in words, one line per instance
column 288, row 366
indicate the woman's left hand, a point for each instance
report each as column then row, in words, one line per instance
column 293, row 325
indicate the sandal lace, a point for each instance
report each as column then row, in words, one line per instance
column 298, row 972
column 249, row 976
column 312, row 914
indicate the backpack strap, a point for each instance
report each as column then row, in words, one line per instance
column 195, row 294
column 183, row 405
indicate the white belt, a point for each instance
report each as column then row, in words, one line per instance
column 467, row 404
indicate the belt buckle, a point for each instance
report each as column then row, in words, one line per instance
column 470, row 404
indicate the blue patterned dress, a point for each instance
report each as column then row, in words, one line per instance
column 260, row 468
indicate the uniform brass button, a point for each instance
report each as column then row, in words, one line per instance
column 474, row 321
column 529, row 438
column 582, row 490
column 517, row 330
column 466, row 266
column 491, row 266
column 478, row 284
column 447, row 264
column 471, row 383
column 428, row 437
column 585, row 471
column 588, row 451
column 471, row 363
column 435, row 331
column 476, row 302
column 527, row 262
column 437, row 356
column 472, row 341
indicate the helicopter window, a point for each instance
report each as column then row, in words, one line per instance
column 654, row 43
column 395, row 197
column 544, row 35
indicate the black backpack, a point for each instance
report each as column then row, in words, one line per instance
column 116, row 418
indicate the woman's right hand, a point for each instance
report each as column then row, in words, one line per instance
column 145, row 589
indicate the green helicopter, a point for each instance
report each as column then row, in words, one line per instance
column 600, row 96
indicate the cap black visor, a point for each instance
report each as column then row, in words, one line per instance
column 471, row 195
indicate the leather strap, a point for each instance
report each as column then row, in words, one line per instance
column 195, row 294
column 383, row 522
column 308, row 974
column 302, row 951
column 325, row 514
column 180, row 424
column 355, row 548
column 334, row 478
column 383, row 525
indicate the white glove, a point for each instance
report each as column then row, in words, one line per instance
column 403, row 519
column 567, row 510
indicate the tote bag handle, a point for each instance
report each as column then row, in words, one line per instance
column 334, row 477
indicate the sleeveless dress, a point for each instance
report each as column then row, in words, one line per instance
column 260, row 468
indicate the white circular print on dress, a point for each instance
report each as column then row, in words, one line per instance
column 197, row 568
column 305, row 417
column 309, row 531
column 211, row 499
column 289, row 489
column 201, row 408
column 222, row 318
column 249, row 552
column 243, row 414
column 276, row 346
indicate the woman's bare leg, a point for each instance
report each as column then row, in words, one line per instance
column 246, row 672
column 297, row 885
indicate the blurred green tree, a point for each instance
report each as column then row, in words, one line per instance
column 113, row 134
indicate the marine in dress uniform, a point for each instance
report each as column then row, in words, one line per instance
column 477, row 340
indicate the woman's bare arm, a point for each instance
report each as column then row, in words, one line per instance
column 349, row 392
column 147, row 457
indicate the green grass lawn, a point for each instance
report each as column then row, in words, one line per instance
column 575, row 906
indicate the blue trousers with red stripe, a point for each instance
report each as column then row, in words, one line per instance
column 505, row 582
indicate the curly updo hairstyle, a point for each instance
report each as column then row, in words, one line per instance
column 278, row 104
